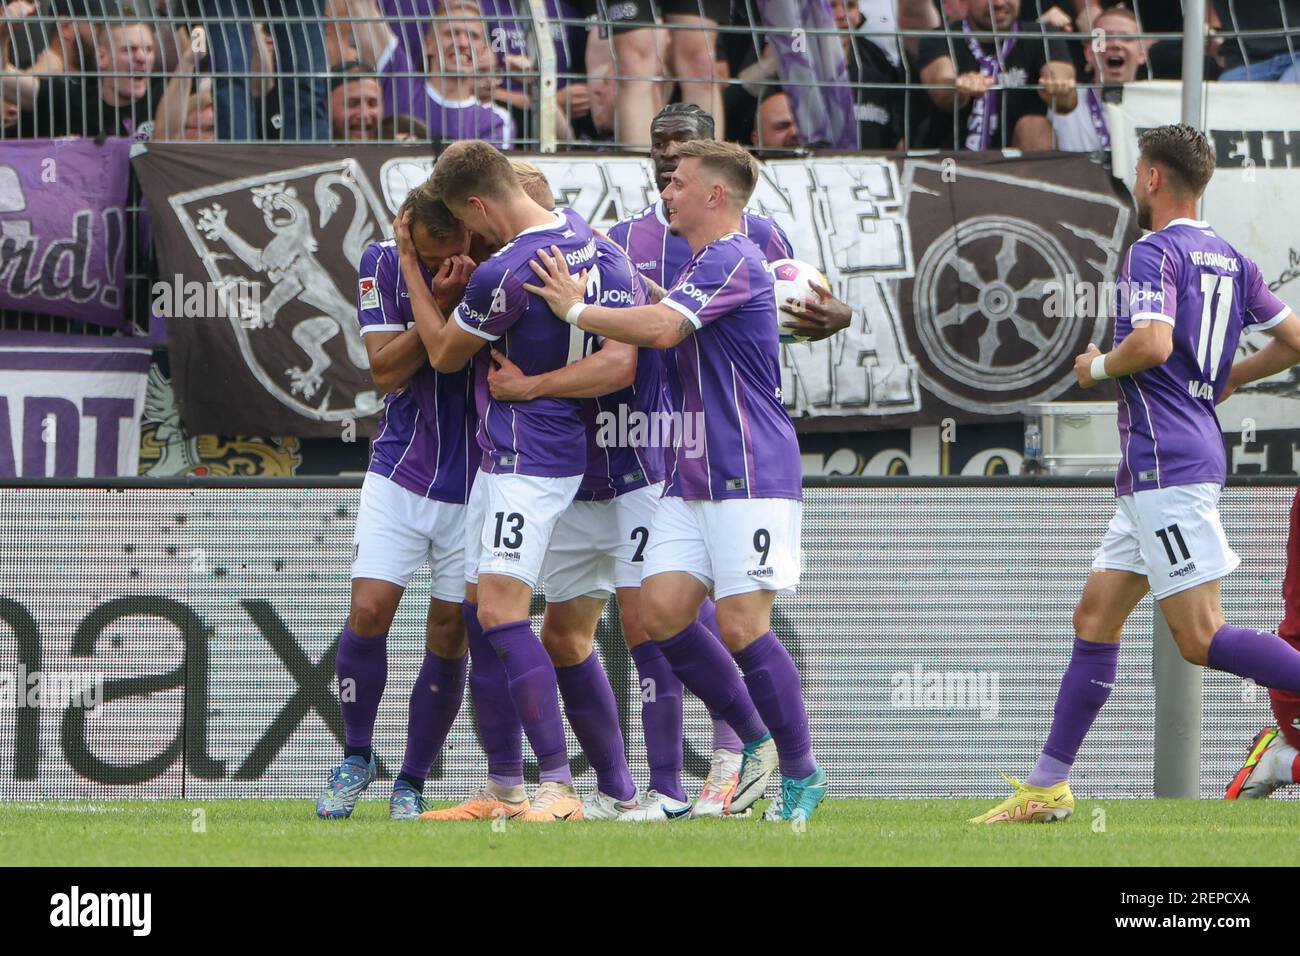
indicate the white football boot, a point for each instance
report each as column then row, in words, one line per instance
column 654, row 807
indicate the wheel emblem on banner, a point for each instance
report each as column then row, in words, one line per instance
column 978, row 301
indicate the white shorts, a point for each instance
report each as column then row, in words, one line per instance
column 515, row 516
column 1172, row 535
column 733, row 546
column 599, row 546
column 398, row 530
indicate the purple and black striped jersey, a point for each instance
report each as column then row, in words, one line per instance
column 727, row 376
column 544, row 437
column 660, row 255
column 423, row 438
column 1189, row 277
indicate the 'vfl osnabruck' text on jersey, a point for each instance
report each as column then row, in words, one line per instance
column 422, row 442
column 727, row 375
column 1189, row 277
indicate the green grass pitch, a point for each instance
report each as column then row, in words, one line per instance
column 844, row 832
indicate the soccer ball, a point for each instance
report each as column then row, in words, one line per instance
column 793, row 280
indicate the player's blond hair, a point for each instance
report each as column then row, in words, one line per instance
column 534, row 182
column 729, row 162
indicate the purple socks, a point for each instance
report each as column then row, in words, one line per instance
column 362, row 669
column 661, row 718
column 1085, row 686
column 593, row 715
column 1258, row 655
column 724, row 738
column 703, row 665
column 773, row 683
column 499, row 730
column 435, row 702
column 533, row 689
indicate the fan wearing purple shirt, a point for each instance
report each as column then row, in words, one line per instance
column 659, row 253
column 731, row 515
column 1185, row 296
column 534, row 453
column 412, row 508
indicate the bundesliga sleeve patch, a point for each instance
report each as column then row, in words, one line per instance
column 368, row 292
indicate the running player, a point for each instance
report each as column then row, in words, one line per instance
column 730, row 519
column 412, row 508
column 534, row 453
column 1185, row 296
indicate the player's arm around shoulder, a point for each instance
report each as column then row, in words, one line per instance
column 656, row 326
column 608, row 369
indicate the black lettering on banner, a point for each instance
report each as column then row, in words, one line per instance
column 514, row 538
column 27, row 748
column 762, row 544
column 1164, row 533
column 640, row 536
column 191, row 676
column 313, row 692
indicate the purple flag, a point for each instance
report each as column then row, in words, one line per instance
column 62, row 228
column 813, row 70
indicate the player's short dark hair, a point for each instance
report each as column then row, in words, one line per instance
column 431, row 212
column 472, row 167
column 729, row 161
column 1182, row 150
column 688, row 113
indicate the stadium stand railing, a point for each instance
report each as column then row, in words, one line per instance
column 248, row 70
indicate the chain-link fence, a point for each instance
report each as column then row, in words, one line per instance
column 778, row 74
column 783, row 76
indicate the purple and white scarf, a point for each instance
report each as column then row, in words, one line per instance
column 1098, row 116
column 983, row 114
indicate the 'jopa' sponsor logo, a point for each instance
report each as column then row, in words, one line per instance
column 617, row 297
column 692, row 291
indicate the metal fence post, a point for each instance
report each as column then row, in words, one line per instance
column 546, row 67
column 1178, row 717
column 1178, row 683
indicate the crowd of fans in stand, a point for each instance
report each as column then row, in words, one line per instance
column 441, row 70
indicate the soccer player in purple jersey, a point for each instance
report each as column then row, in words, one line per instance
column 659, row 253
column 599, row 545
column 1184, row 298
column 412, row 508
column 533, row 453
column 730, row 517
